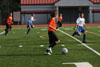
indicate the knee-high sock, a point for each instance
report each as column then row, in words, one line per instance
column 84, row 37
column 28, row 30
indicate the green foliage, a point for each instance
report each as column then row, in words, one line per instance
column 10, row 5
column 7, row 6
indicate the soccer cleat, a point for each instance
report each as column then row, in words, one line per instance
column 73, row 34
column 84, row 42
column 47, row 53
column 50, row 50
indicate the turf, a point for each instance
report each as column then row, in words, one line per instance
column 32, row 55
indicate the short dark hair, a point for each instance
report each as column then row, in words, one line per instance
column 81, row 13
column 53, row 14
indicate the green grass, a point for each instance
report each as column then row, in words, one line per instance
column 32, row 55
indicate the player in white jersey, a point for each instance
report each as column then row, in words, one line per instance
column 80, row 24
column 30, row 24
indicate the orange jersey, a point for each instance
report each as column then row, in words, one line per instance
column 60, row 19
column 53, row 24
column 9, row 20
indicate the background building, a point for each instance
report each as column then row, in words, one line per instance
column 69, row 8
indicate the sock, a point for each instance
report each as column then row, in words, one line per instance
column 28, row 30
column 84, row 37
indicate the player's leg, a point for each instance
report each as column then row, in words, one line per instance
column 28, row 28
column 84, row 35
column 7, row 28
column 77, row 32
column 10, row 28
column 57, row 25
column 6, row 31
column 51, row 42
column 32, row 26
column 60, row 24
column 55, row 39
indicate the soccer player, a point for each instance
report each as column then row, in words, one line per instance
column 8, row 24
column 80, row 24
column 30, row 24
column 59, row 21
column 53, row 39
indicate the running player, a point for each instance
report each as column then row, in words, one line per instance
column 8, row 24
column 30, row 24
column 80, row 24
column 59, row 21
column 53, row 39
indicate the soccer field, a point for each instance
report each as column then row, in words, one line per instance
column 18, row 49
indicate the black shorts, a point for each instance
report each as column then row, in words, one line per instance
column 52, row 37
column 8, row 26
column 59, row 24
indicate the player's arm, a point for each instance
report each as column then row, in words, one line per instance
column 11, row 22
column 75, row 27
column 52, row 28
column 85, row 26
column 77, row 21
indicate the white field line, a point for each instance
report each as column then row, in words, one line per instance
column 80, row 64
column 96, row 52
column 2, row 32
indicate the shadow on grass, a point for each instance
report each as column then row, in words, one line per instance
column 10, row 55
column 22, row 55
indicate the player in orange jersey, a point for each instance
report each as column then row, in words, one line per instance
column 8, row 24
column 60, row 21
column 53, row 39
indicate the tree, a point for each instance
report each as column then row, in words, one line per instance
column 7, row 6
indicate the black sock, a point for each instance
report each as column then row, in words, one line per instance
column 84, row 37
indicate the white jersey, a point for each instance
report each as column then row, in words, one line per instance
column 31, row 19
column 80, row 21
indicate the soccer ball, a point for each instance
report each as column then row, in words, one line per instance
column 64, row 51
